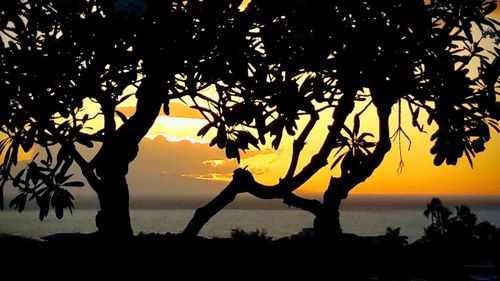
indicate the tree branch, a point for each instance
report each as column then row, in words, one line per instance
column 86, row 168
column 94, row 137
column 243, row 181
column 320, row 159
column 363, row 168
column 311, row 205
column 203, row 214
column 122, row 146
column 299, row 144
column 109, row 119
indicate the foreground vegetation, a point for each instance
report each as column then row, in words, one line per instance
column 454, row 247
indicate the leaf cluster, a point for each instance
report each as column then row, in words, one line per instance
column 46, row 181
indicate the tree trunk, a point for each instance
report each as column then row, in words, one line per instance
column 113, row 220
column 327, row 220
column 203, row 214
column 243, row 181
column 118, row 151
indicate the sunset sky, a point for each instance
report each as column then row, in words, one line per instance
column 419, row 175
column 174, row 161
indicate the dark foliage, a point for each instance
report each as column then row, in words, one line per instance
column 253, row 73
column 305, row 60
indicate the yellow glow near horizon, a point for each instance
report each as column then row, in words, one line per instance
column 178, row 128
column 419, row 175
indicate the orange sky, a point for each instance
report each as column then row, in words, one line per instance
column 419, row 176
column 208, row 166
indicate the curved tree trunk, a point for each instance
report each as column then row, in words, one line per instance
column 203, row 214
column 243, row 181
column 119, row 149
column 327, row 222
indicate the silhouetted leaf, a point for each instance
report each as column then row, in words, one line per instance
column 43, row 202
column 62, row 155
column 59, row 211
column 38, row 192
column 221, row 138
column 348, row 131
column 232, row 150
column 213, row 141
column 85, row 141
column 49, row 156
column 122, row 116
column 247, row 137
column 364, row 135
column 490, row 8
column 355, row 129
column 204, row 130
column 3, row 145
column 19, row 202
column 439, row 159
column 166, row 108
column 277, row 140
column 74, row 183
column 337, row 161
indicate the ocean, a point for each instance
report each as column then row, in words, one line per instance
column 369, row 218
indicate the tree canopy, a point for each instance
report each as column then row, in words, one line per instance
column 55, row 55
column 252, row 72
column 58, row 57
column 308, row 56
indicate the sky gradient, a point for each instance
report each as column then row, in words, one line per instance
column 173, row 161
column 419, row 175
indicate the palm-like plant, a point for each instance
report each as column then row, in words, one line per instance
column 461, row 225
column 464, row 216
column 353, row 146
column 439, row 213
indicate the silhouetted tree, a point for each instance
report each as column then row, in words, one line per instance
column 440, row 217
column 304, row 59
column 438, row 213
column 58, row 57
column 460, row 226
column 268, row 67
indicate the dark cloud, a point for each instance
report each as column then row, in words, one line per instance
column 177, row 168
column 167, row 172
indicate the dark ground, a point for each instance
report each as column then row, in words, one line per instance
column 173, row 257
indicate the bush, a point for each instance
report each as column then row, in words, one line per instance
column 256, row 235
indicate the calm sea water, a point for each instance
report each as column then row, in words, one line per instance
column 277, row 223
